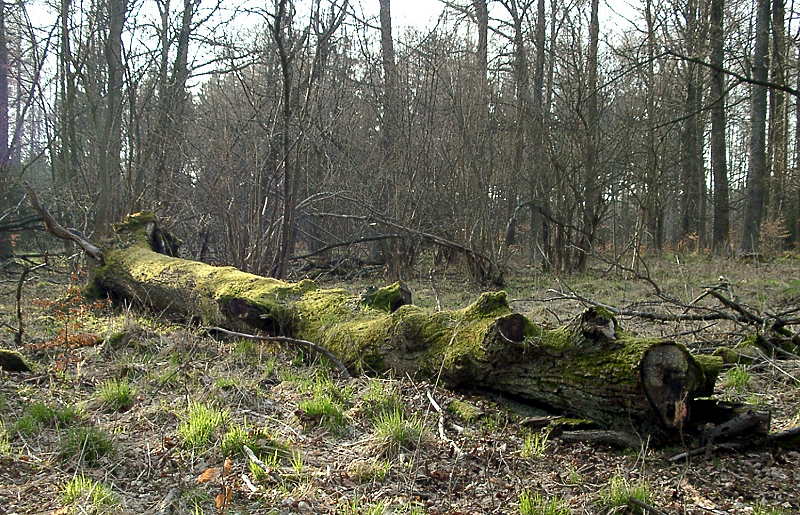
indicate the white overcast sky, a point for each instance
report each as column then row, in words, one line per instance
column 418, row 13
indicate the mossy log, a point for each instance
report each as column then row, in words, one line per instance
column 590, row 368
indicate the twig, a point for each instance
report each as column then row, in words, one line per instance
column 166, row 505
column 442, row 434
column 293, row 341
column 706, row 450
column 667, row 317
column 20, row 325
column 266, row 468
column 435, row 291
column 57, row 230
column 646, row 507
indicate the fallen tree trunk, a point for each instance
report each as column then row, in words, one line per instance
column 589, row 369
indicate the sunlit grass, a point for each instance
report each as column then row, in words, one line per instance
column 91, row 495
column 536, row 504
column 199, row 426
column 396, row 432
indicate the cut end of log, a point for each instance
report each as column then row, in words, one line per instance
column 668, row 374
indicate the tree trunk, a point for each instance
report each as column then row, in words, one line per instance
column 691, row 166
column 110, row 194
column 388, row 251
column 757, row 192
column 592, row 184
column 777, row 155
column 719, row 161
column 590, row 368
column 5, row 151
column 538, row 179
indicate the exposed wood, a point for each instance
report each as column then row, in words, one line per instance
column 748, row 422
column 789, row 439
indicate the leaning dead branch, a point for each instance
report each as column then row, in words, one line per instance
column 58, row 230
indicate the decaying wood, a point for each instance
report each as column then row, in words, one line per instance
column 590, row 368
column 618, row 439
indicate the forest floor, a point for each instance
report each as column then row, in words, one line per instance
column 126, row 412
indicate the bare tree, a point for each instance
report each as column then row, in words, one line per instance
column 591, row 181
column 719, row 160
column 5, row 150
column 757, row 186
column 777, row 155
column 290, row 41
column 691, row 160
column 109, row 201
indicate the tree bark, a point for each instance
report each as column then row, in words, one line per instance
column 590, row 368
column 757, row 192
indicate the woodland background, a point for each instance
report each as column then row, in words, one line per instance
column 263, row 130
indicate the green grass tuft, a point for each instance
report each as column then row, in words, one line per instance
column 324, row 411
column 358, row 506
column 39, row 415
column 536, row 504
column 381, row 398
column 737, row 378
column 87, row 442
column 199, row 425
column 763, row 509
column 5, row 440
column 94, row 497
column 396, row 432
column 535, row 445
column 117, row 394
column 368, row 471
column 619, row 491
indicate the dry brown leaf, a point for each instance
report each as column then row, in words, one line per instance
column 219, row 501
column 209, row 474
column 228, row 466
